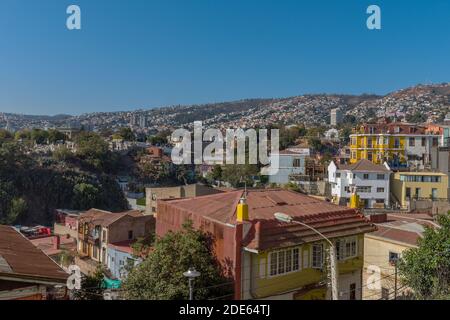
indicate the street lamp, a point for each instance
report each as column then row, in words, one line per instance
column 282, row 217
column 191, row 274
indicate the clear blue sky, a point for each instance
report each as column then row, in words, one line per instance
column 147, row 53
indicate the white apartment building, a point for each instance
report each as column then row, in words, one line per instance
column 370, row 180
column 291, row 162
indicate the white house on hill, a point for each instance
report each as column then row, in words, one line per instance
column 371, row 182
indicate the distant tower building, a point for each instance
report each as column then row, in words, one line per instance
column 134, row 120
column 143, row 121
column 336, row 116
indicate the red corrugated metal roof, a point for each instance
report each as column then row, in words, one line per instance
column 25, row 260
column 331, row 219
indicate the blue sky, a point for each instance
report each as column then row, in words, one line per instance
column 147, row 53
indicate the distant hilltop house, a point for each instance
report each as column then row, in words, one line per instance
column 27, row 273
column 268, row 259
column 370, row 181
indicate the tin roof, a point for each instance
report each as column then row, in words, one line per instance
column 266, row 232
column 19, row 258
column 106, row 218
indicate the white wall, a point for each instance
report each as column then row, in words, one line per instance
column 286, row 168
column 347, row 178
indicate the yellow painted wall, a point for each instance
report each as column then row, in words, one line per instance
column 398, row 187
column 274, row 285
column 376, row 253
column 359, row 147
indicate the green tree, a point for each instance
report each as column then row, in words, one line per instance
column 216, row 173
column 160, row 275
column 240, row 174
column 55, row 135
column 426, row 269
column 85, row 196
column 39, row 136
column 5, row 135
column 91, row 286
column 62, row 153
column 126, row 134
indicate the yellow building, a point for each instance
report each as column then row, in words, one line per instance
column 395, row 233
column 421, row 185
column 269, row 259
column 399, row 144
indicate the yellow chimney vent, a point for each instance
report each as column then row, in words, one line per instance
column 242, row 210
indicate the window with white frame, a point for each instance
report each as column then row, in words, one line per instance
column 317, row 256
column 346, row 248
column 284, row 261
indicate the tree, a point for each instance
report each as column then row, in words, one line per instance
column 17, row 207
column 39, row 136
column 426, row 269
column 62, row 153
column 160, row 275
column 5, row 135
column 55, row 135
column 91, row 286
column 85, row 196
column 126, row 134
column 240, row 174
column 216, row 173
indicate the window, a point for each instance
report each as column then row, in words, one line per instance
column 104, row 236
column 153, row 209
column 396, row 143
column 408, row 193
column 347, row 189
column 393, row 257
column 284, row 261
column 296, row 163
column 130, row 235
column 273, row 263
column 317, row 256
column 338, row 174
column 353, row 155
column 366, row 176
column 424, row 142
column 412, row 142
column 346, row 248
column 353, row 141
column 364, row 189
column 154, row 196
column 369, row 156
column 379, row 201
column 353, row 291
column 380, row 176
column 380, row 189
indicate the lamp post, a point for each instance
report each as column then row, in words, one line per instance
column 191, row 274
column 282, row 217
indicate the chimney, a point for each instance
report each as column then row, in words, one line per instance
column 56, row 242
column 242, row 210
